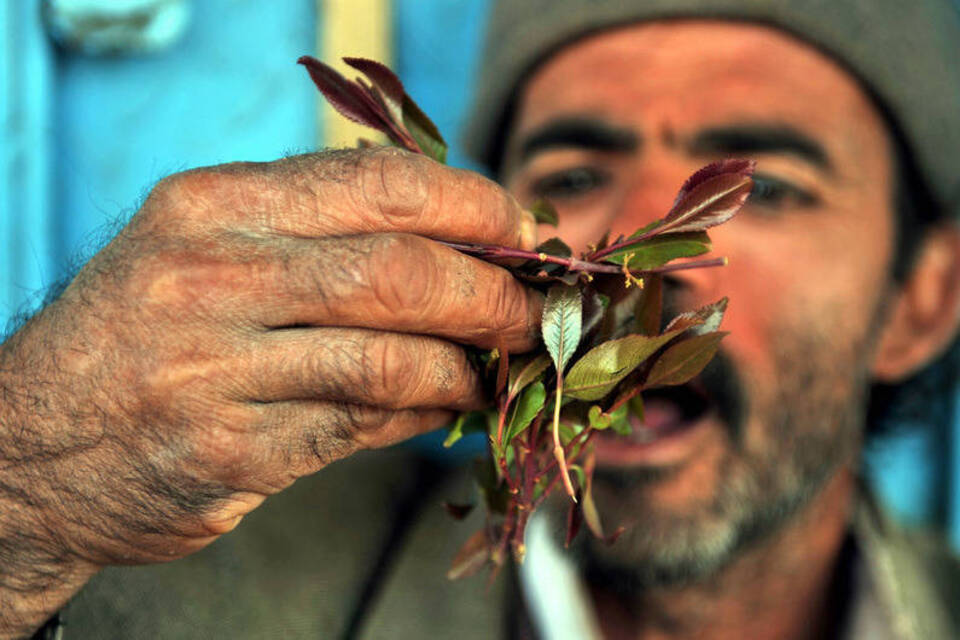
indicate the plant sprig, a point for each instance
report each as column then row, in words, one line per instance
column 602, row 338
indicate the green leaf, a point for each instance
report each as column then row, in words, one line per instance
column 544, row 212
column 471, row 422
column 524, row 370
column 423, row 130
column 590, row 514
column 684, row 360
column 599, row 370
column 659, row 250
column 620, row 419
column 598, row 419
column 562, row 317
column 569, row 431
column 555, row 247
column 581, row 474
column 527, row 407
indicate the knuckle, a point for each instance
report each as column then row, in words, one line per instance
column 403, row 275
column 492, row 211
column 397, row 366
column 204, row 195
column 222, row 447
column 396, row 185
column 506, row 306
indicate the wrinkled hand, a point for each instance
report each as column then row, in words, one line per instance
column 253, row 323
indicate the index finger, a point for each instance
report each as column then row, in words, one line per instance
column 357, row 191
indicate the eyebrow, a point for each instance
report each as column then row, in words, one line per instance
column 579, row 133
column 761, row 138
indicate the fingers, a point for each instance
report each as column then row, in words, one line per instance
column 397, row 282
column 348, row 192
column 358, row 366
column 301, row 437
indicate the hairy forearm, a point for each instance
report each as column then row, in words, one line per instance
column 36, row 579
column 38, row 575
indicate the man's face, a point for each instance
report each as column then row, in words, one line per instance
column 608, row 129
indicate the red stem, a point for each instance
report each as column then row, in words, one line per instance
column 573, row 264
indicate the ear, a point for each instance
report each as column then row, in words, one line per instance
column 925, row 313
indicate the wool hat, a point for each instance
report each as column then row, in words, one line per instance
column 906, row 54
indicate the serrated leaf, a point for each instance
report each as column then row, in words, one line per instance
column 524, row 370
column 660, row 249
column 345, row 96
column 706, row 319
column 544, row 212
column 596, row 374
column 684, row 360
column 471, row 557
column 562, row 318
column 710, row 203
column 648, row 310
column 423, row 131
column 391, row 89
column 735, row 166
column 526, row 409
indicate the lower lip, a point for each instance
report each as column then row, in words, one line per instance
column 671, row 440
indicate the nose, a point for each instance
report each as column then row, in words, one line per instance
column 648, row 194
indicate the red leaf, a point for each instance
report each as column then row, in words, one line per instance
column 711, row 202
column 385, row 80
column 738, row 166
column 706, row 319
column 458, row 511
column 348, row 98
column 471, row 557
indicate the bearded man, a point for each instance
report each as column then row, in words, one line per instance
column 255, row 323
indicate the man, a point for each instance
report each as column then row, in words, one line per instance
column 255, row 323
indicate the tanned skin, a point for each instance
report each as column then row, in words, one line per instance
column 607, row 128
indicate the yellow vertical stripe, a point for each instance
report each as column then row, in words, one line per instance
column 359, row 28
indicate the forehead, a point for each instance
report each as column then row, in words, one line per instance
column 703, row 71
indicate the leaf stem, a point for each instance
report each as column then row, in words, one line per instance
column 558, row 452
column 573, row 264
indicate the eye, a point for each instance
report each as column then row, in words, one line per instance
column 570, row 183
column 774, row 193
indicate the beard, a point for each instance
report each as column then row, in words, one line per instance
column 783, row 444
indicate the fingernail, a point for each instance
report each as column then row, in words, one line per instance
column 528, row 231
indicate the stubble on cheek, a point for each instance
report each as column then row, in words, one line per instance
column 687, row 523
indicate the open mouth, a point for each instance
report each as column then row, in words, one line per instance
column 668, row 412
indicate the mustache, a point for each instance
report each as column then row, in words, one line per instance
column 723, row 385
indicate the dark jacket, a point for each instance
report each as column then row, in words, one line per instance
column 361, row 549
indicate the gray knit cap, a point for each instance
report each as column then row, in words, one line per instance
column 906, row 52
